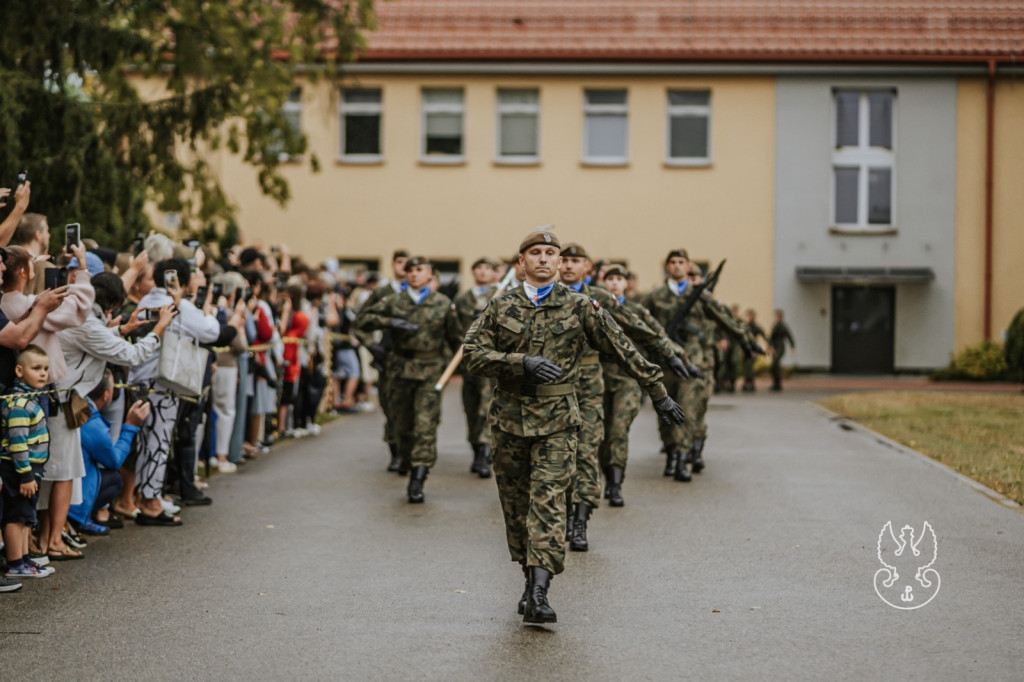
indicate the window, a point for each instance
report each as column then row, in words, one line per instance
column 287, row 145
column 689, row 120
column 360, row 124
column 518, row 117
column 863, row 159
column 605, row 127
column 442, row 125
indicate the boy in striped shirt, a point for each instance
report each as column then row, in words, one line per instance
column 26, row 447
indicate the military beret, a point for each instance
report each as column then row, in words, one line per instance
column 615, row 269
column 574, row 250
column 485, row 261
column 542, row 237
column 677, row 253
column 417, row 260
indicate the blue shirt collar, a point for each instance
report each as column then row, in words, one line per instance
column 578, row 287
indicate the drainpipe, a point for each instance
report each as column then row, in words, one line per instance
column 990, row 108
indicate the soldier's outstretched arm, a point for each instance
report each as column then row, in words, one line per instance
column 482, row 355
column 376, row 316
column 605, row 335
column 642, row 334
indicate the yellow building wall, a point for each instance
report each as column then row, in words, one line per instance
column 636, row 213
column 1008, row 209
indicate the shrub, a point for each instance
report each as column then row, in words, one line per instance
column 982, row 362
column 1014, row 350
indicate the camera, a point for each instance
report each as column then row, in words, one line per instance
column 275, row 249
column 170, row 279
column 72, row 235
column 22, row 177
column 138, row 244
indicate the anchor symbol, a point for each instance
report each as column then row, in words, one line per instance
column 907, row 594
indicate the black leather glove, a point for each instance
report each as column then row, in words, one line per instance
column 540, row 368
column 695, row 372
column 669, row 412
column 677, row 367
column 378, row 352
column 402, row 325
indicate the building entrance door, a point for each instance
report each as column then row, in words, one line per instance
column 863, row 323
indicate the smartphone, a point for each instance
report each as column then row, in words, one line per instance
column 191, row 264
column 72, row 235
column 62, row 277
column 51, row 278
column 218, row 291
column 201, row 296
column 170, row 279
column 247, row 295
column 22, row 177
column 142, row 315
column 192, row 243
column 139, row 244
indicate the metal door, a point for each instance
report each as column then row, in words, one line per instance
column 863, row 323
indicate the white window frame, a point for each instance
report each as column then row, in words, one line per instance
column 441, row 108
column 864, row 158
column 534, row 109
column 598, row 110
column 360, row 108
column 686, row 111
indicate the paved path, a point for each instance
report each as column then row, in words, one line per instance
column 310, row 565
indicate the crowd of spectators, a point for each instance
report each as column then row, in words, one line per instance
column 97, row 429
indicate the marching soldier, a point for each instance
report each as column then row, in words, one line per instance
column 586, row 489
column 531, row 339
column 750, row 319
column 476, row 391
column 421, row 320
column 379, row 351
column 678, row 440
column 780, row 334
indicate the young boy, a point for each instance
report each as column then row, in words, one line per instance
column 26, row 447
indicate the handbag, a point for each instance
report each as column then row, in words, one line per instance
column 76, row 410
column 182, row 364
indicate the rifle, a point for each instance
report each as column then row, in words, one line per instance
column 503, row 286
column 678, row 323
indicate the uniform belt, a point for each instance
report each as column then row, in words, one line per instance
column 536, row 390
column 417, row 354
column 590, row 360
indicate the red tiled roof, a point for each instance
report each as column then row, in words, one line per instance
column 790, row 30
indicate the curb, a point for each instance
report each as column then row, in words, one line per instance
column 850, row 425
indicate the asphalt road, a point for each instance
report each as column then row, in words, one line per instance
column 311, row 565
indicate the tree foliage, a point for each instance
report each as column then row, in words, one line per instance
column 112, row 103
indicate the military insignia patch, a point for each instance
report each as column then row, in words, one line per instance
column 596, row 304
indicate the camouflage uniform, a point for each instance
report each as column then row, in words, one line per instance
column 535, row 426
column 415, row 362
column 365, row 338
column 476, row 390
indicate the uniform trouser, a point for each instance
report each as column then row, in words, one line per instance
column 476, row 400
column 696, row 395
column 384, row 387
column 621, row 406
column 225, row 382
column 241, row 411
column 674, row 435
column 416, row 413
column 533, row 475
column 777, row 370
column 590, row 396
column 748, row 370
column 154, row 441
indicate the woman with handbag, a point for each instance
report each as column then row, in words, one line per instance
column 61, row 486
column 166, row 376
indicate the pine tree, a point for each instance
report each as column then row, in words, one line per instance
column 77, row 109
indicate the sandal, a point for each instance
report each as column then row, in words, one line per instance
column 127, row 514
column 113, row 523
column 65, row 554
column 164, row 519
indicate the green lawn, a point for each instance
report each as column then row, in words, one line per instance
column 981, row 435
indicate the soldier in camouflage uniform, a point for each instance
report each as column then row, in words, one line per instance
column 531, row 339
column 590, row 391
column 476, row 391
column 379, row 351
column 678, row 441
column 421, row 321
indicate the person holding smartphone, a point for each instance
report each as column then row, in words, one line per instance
column 22, row 193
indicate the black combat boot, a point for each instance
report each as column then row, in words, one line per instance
column 416, row 479
column 485, row 461
column 615, row 485
column 671, row 462
column 396, row 459
column 475, row 468
column 568, row 515
column 578, row 541
column 607, row 481
column 537, row 608
column 682, row 473
column 526, row 592
column 695, row 455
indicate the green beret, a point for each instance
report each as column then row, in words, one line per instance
column 677, row 253
column 574, row 250
column 417, row 260
column 615, row 270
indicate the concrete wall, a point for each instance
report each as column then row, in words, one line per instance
column 637, row 212
column 924, row 206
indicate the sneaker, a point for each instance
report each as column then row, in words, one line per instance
column 365, row 406
column 92, row 528
column 7, row 585
column 25, row 571
column 226, row 467
column 314, row 429
column 38, row 558
column 71, row 537
column 169, row 507
column 48, row 570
